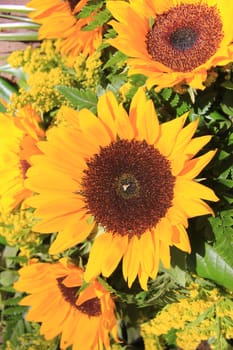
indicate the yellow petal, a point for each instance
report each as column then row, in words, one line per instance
column 97, row 256
column 75, row 231
column 169, row 133
column 114, row 254
column 164, row 230
column 123, row 125
column 144, row 117
column 177, row 164
column 120, row 9
column 57, row 206
column 93, row 129
column 143, row 278
column 194, row 167
column 108, row 110
column 193, row 207
column 147, row 252
column 165, row 256
column 190, row 188
column 180, row 238
column 176, row 216
column 196, row 144
column 184, row 138
column 131, row 260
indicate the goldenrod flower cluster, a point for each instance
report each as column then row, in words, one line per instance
column 46, row 70
column 34, row 59
column 31, row 341
column 42, row 93
column 200, row 316
column 16, row 228
column 87, row 69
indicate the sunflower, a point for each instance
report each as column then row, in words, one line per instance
column 18, row 137
column 83, row 317
column 59, row 20
column 126, row 173
column 173, row 41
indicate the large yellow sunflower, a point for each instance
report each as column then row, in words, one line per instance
column 174, row 40
column 126, row 173
column 58, row 21
column 84, row 318
column 18, row 137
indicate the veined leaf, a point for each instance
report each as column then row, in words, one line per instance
column 213, row 266
column 87, row 10
column 100, row 18
column 217, row 262
column 79, row 98
column 15, row 310
column 12, row 301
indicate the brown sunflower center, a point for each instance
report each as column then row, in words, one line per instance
column 72, row 4
column 183, row 39
column 185, row 36
column 128, row 187
column 90, row 307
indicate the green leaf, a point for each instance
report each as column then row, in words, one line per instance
column 10, row 311
column 79, row 98
column 6, row 89
column 19, row 36
column 174, row 102
column 7, row 289
column 227, row 109
column 100, row 18
column 2, row 239
column 87, row 10
column 213, row 266
column 117, row 57
column 8, row 277
column 15, row 328
column 166, row 93
column 217, row 262
column 228, row 85
column 12, row 301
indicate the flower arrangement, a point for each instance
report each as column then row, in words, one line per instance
column 116, row 177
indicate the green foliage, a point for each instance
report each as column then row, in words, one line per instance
column 6, row 89
column 217, row 261
column 170, row 104
column 79, row 98
column 91, row 6
column 99, row 19
column 99, row 12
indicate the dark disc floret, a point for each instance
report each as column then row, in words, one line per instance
column 24, row 166
column 128, row 187
column 72, row 4
column 185, row 36
column 91, row 307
